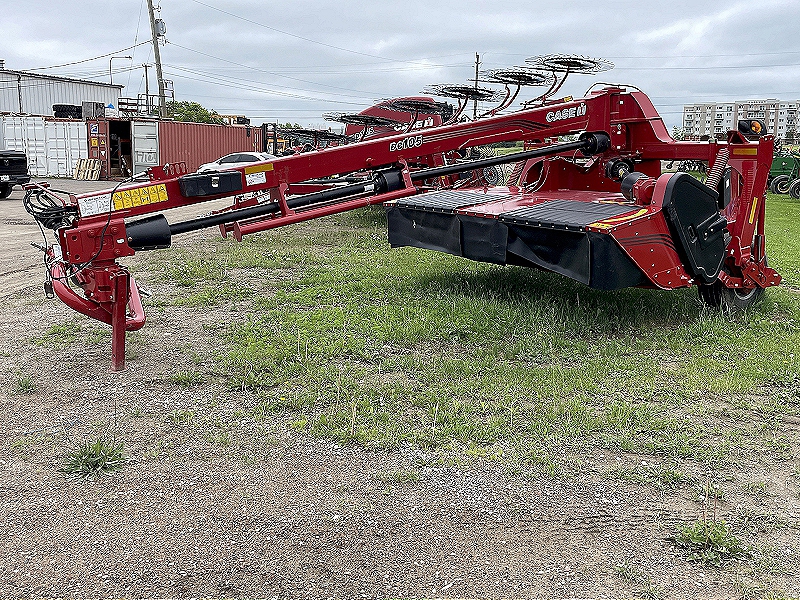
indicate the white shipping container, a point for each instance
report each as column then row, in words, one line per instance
column 66, row 144
column 53, row 148
column 27, row 134
column 145, row 145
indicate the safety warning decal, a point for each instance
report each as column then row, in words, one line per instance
column 129, row 198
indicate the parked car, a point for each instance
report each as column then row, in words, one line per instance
column 237, row 159
column 13, row 171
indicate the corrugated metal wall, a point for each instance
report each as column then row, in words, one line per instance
column 39, row 94
column 199, row 143
column 52, row 147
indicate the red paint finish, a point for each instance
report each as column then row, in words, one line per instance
column 199, row 143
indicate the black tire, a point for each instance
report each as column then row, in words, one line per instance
column 729, row 300
column 5, row 190
column 794, row 189
column 780, row 184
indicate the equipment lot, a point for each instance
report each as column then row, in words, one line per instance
column 227, row 495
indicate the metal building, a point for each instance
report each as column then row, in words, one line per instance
column 25, row 93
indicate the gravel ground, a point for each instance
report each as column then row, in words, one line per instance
column 263, row 510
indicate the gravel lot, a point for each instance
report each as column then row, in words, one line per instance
column 274, row 513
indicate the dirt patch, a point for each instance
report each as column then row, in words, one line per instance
column 222, row 499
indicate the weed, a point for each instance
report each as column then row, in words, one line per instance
column 709, row 541
column 61, row 335
column 652, row 474
column 25, row 385
column 183, row 416
column 758, row 489
column 401, row 476
column 187, row 378
column 637, row 577
column 702, row 492
column 94, row 458
column 220, row 438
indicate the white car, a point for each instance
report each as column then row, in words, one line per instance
column 237, row 159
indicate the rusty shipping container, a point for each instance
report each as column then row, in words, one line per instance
column 199, row 143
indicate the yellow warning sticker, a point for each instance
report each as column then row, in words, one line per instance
column 753, row 211
column 258, row 168
column 745, row 151
column 134, row 197
column 614, row 221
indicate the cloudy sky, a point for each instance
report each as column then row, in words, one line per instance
column 294, row 60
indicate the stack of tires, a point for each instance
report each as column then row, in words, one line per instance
column 67, row 111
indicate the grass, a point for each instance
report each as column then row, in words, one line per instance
column 94, row 458
column 709, row 541
column 187, row 378
column 653, row 475
column 647, row 587
column 25, row 385
column 361, row 343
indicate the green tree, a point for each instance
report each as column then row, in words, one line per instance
column 678, row 133
column 192, row 112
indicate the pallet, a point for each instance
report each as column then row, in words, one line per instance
column 87, row 169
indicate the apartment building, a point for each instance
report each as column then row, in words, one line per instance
column 715, row 119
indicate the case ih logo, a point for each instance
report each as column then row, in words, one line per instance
column 411, row 142
column 567, row 113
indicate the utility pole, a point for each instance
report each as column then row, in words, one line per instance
column 475, row 101
column 162, row 101
column 146, row 89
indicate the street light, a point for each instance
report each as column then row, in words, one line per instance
column 110, row 74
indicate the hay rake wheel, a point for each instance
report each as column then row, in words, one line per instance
column 368, row 122
column 463, row 93
column 416, row 107
column 518, row 77
column 318, row 138
column 565, row 65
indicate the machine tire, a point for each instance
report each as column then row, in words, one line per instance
column 728, row 300
column 780, row 184
column 794, row 189
column 5, row 190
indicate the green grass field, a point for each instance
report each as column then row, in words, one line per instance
column 361, row 343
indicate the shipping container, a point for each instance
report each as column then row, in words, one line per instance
column 66, row 144
column 53, row 147
column 199, row 143
column 144, row 137
column 26, row 134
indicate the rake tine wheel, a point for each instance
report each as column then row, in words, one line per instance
column 463, row 93
column 515, row 76
column 364, row 121
column 566, row 64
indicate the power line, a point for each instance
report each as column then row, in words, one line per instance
column 204, row 79
column 77, row 62
column 270, row 72
column 299, row 37
column 136, row 38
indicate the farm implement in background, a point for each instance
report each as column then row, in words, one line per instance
column 586, row 199
column 784, row 175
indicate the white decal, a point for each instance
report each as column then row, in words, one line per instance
column 256, row 178
column 409, row 142
column 95, row 205
column 566, row 113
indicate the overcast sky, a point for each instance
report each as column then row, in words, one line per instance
column 294, row 60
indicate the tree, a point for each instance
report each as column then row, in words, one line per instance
column 678, row 133
column 192, row 112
